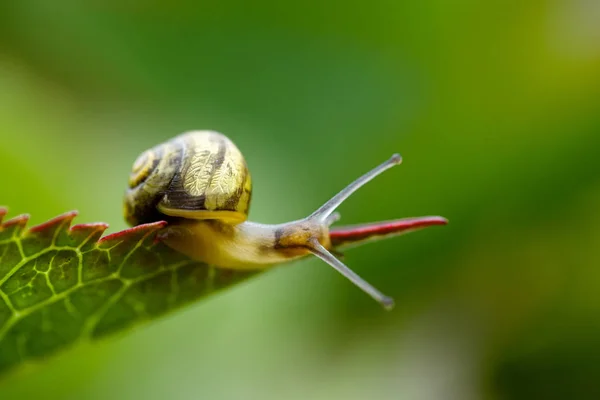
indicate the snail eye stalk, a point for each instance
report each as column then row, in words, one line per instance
column 326, row 215
column 318, row 250
column 329, row 207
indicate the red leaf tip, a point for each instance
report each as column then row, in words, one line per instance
column 63, row 219
column 90, row 226
column 356, row 233
column 18, row 220
column 139, row 229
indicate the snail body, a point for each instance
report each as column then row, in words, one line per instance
column 247, row 245
column 199, row 182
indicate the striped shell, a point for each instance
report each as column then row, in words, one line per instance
column 196, row 175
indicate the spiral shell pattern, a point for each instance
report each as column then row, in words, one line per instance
column 198, row 174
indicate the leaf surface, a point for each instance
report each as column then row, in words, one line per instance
column 63, row 284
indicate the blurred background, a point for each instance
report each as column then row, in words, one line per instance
column 495, row 107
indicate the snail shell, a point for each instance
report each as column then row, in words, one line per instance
column 196, row 175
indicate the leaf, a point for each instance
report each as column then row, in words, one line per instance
column 61, row 285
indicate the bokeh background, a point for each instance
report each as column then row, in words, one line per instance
column 494, row 105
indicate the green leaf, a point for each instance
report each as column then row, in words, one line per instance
column 61, row 285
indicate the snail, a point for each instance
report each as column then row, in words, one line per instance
column 199, row 182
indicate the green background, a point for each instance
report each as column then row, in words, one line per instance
column 494, row 105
